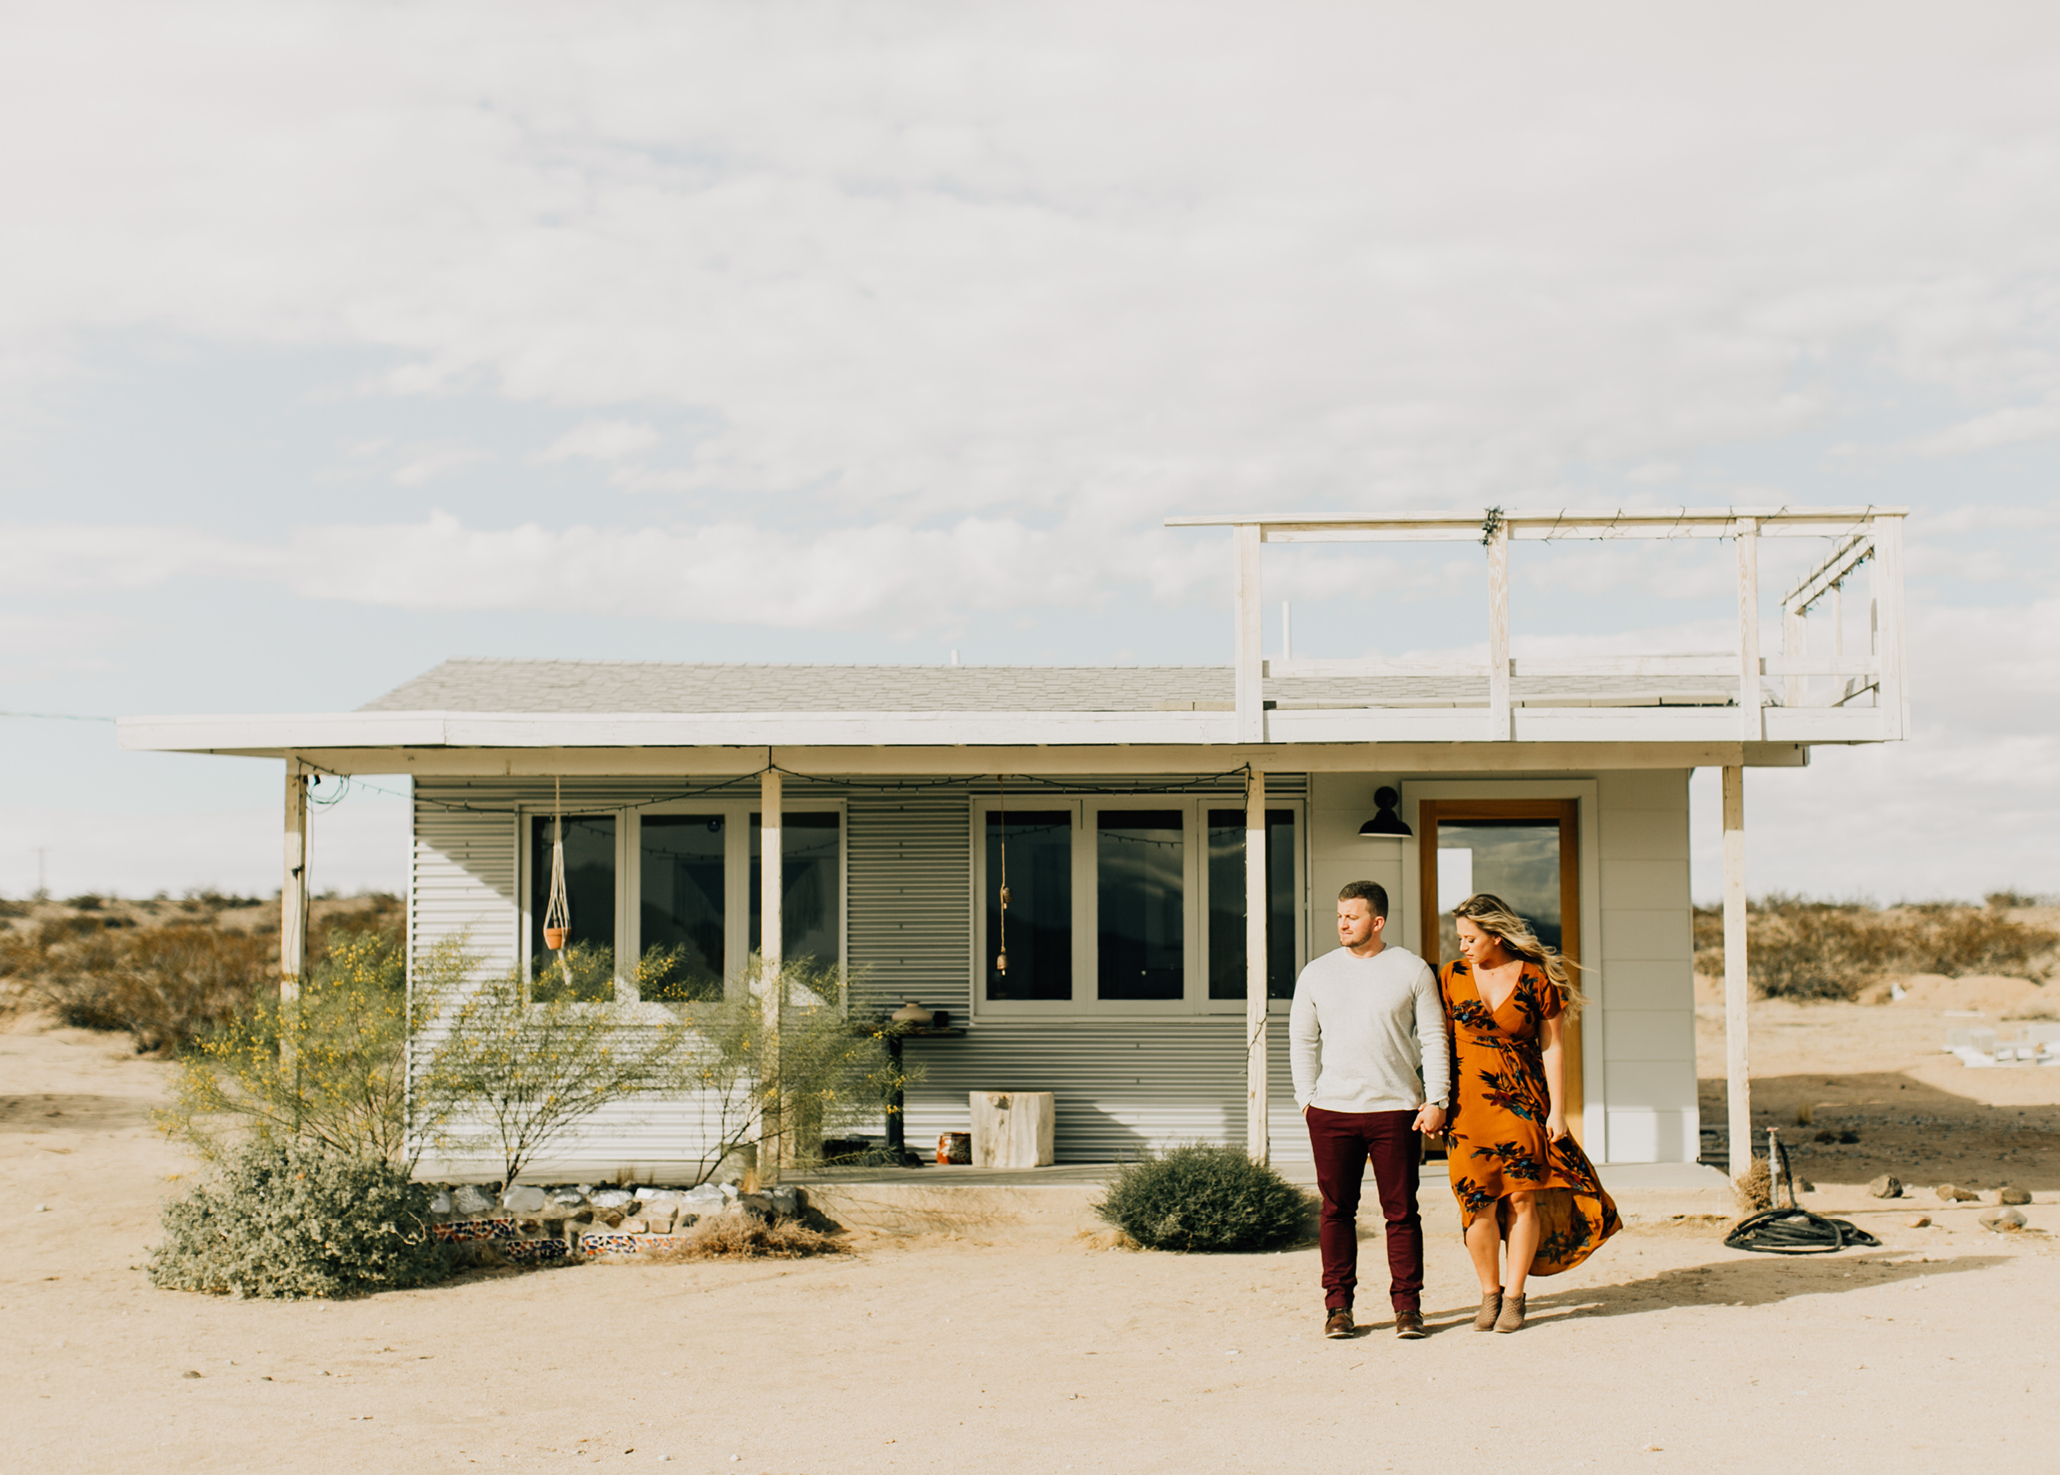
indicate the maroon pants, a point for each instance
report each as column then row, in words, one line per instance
column 1343, row 1143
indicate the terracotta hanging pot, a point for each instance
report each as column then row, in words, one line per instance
column 554, row 938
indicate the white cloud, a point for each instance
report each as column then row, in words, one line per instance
column 989, row 261
column 602, row 440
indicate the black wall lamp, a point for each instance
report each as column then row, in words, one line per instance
column 1385, row 821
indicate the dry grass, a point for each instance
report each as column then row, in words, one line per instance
column 744, row 1236
column 1803, row 949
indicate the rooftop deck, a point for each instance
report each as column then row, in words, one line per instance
column 1741, row 706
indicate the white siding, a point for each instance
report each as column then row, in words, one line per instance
column 1646, row 984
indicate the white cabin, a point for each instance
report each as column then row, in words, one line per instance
column 1175, row 836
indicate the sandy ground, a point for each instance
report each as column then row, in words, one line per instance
column 1665, row 1352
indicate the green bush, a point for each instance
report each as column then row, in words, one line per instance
column 1198, row 1197
column 283, row 1221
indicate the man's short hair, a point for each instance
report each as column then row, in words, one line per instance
column 1372, row 893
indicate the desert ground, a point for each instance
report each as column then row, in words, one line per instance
column 1666, row 1351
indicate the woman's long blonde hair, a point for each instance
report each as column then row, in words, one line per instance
column 1495, row 917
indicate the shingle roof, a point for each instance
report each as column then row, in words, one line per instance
column 663, row 686
column 512, row 686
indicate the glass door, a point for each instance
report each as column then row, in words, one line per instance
column 1522, row 850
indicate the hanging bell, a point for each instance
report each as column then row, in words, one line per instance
column 1001, row 963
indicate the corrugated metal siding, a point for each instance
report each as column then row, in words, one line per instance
column 1122, row 1086
column 908, row 898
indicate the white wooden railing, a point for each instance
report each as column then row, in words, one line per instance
column 1865, row 537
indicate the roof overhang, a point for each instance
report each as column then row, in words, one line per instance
column 457, row 744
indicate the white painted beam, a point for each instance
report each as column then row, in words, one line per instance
column 1737, row 1057
column 1257, row 1142
column 1250, row 654
column 293, row 885
column 1752, row 724
column 1498, row 633
column 771, row 886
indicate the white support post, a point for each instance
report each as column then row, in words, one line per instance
column 1753, row 721
column 1892, row 642
column 1737, row 1058
column 1498, row 633
column 1257, row 1142
column 1795, row 644
column 293, row 885
column 1251, row 657
column 771, row 883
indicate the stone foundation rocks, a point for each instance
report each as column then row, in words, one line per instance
column 528, row 1226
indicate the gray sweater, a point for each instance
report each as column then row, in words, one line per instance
column 1368, row 1034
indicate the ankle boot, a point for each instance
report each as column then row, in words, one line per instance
column 1491, row 1307
column 1512, row 1317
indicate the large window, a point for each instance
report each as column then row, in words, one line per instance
column 586, row 968
column 1029, row 952
column 1227, row 904
column 1140, row 903
column 665, row 902
column 1128, row 906
column 680, row 914
column 811, row 871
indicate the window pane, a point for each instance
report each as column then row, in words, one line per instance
column 810, row 900
column 1515, row 859
column 590, row 892
column 1227, row 903
column 1038, row 931
column 1140, row 947
column 681, row 907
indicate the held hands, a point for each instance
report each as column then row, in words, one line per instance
column 1555, row 1126
column 1430, row 1120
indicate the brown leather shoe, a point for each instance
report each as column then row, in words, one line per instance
column 1512, row 1317
column 1409, row 1325
column 1491, row 1307
column 1338, row 1323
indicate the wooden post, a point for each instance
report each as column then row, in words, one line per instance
column 293, row 886
column 1737, row 1059
column 771, row 883
column 1498, row 633
column 1251, row 658
column 1753, row 720
column 1257, row 1141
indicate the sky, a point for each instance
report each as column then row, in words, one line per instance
column 337, row 340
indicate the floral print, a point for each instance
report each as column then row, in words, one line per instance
column 1500, row 1103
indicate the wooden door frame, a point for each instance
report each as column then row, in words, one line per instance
column 1429, row 814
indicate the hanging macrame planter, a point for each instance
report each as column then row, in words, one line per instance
column 557, row 910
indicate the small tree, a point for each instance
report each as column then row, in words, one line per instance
column 328, row 1068
column 502, row 1069
column 829, row 1071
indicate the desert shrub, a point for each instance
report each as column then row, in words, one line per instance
column 291, row 1220
column 745, row 1236
column 164, row 985
column 1804, row 949
column 329, row 1068
column 1199, row 1197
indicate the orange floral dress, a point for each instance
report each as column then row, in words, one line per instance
column 1498, row 1141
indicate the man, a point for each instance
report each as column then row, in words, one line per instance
column 1367, row 1040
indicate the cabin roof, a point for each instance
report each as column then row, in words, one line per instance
column 560, row 686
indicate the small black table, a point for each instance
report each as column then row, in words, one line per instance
column 896, row 1035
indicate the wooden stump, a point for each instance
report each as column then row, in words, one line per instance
column 1012, row 1129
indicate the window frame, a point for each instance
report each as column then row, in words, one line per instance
column 1086, row 1002
column 738, row 945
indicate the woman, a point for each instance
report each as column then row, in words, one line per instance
column 1516, row 1170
